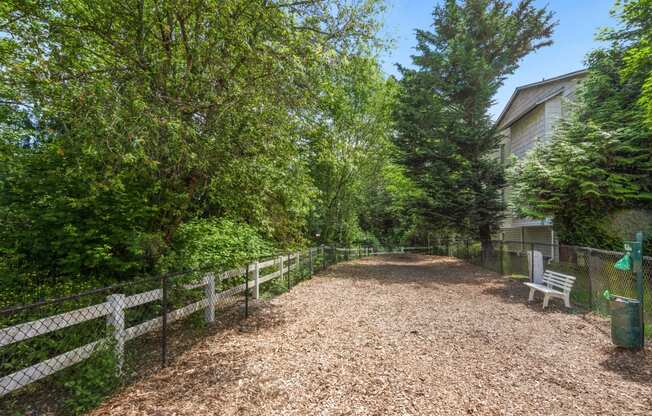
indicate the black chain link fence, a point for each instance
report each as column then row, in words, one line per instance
column 593, row 268
column 66, row 355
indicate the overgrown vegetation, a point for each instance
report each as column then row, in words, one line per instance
column 599, row 161
column 150, row 136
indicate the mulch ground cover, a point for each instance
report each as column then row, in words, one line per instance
column 401, row 335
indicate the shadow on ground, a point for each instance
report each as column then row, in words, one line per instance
column 635, row 366
column 428, row 271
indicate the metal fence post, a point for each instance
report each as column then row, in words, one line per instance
column 116, row 322
column 589, row 264
column 500, row 259
column 310, row 257
column 164, row 320
column 209, row 292
column 638, row 270
column 299, row 268
column 256, row 280
column 532, row 262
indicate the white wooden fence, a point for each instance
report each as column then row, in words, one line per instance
column 116, row 304
column 114, row 310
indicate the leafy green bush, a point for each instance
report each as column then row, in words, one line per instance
column 215, row 243
column 92, row 381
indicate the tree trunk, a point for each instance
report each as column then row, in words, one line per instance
column 485, row 242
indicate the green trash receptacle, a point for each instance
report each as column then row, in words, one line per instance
column 626, row 328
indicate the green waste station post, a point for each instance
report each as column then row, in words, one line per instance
column 627, row 314
column 637, row 260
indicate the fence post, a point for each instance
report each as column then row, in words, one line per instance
column 116, row 322
column 289, row 271
column 299, row 269
column 500, row 259
column 589, row 263
column 256, row 280
column 164, row 321
column 310, row 257
column 209, row 292
column 640, row 285
column 323, row 258
column 532, row 262
column 280, row 266
column 246, row 282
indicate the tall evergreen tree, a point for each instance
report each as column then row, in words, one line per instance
column 636, row 34
column 599, row 161
column 443, row 121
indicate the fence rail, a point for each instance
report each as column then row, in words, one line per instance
column 116, row 305
column 53, row 338
column 593, row 268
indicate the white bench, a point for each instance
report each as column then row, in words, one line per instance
column 555, row 285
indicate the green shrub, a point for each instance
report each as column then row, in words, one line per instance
column 219, row 244
column 90, row 382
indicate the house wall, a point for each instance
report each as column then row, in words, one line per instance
column 527, row 238
column 532, row 118
column 553, row 113
column 528, row 98
column 511, row 234
column 527, row 131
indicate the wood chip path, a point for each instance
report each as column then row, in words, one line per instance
column 401, row 335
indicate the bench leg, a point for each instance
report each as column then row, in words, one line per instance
column 531, row 298
column 567, row 300
column 546, row 298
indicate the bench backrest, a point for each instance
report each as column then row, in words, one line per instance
column 558, row 281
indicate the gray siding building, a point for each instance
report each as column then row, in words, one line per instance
column 529, row 118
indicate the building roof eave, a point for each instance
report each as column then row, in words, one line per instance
column 525, row 112
column 535, row 84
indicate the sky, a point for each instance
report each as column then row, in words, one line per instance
column 574, row 37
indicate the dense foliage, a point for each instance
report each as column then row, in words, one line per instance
column 351, row 157
column 636, row 34
column 599, row 161
column 130, row 129
column 444, row 127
